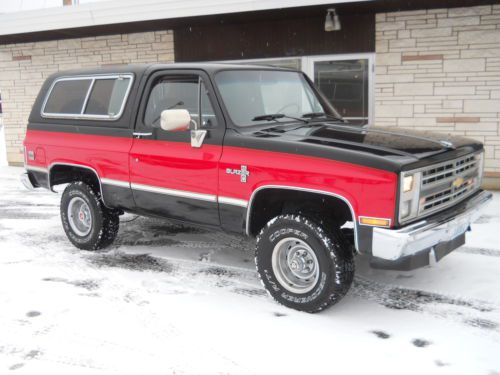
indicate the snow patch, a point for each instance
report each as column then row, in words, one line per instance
column 151, row 306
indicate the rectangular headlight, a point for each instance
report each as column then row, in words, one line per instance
column 408, row 183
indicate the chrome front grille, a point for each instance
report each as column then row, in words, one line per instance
column 447, row 183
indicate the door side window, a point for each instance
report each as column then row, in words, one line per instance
column 183, row 92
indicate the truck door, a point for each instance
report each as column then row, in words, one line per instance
column 169, row 177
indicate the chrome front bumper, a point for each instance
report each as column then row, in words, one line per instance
column 411, row 246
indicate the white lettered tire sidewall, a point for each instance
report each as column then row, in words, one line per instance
column 329, row 255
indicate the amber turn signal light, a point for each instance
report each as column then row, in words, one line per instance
column 374, row 221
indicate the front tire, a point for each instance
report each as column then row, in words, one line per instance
column 88, row 224
column 302, row 265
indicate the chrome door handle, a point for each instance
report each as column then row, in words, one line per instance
column 140, row 135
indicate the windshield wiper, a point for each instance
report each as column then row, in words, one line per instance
column 275, row 116
column 312, row 115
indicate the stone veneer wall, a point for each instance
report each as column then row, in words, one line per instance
column 439, row 70
column 24, row 67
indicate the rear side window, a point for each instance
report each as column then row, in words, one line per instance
column 67, row 97
column 94, row 97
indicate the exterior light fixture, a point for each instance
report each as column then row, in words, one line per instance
column 332, row 22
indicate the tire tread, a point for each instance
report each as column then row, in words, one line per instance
column 109, row 223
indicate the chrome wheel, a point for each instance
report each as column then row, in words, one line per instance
column 295, row 265
column 79, row 216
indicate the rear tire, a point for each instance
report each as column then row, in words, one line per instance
column 302, row 265
column 88, row 224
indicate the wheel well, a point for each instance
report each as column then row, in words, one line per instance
column 269, row 203
column 63, row 174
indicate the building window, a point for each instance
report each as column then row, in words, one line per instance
column 345, row 85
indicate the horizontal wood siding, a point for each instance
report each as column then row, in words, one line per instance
column 264, row 38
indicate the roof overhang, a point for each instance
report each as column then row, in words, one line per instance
column 125, row 16
column 126, row 11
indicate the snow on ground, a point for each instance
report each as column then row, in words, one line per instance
column 172, row 299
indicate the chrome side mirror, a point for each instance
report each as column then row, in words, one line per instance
column 175, row 119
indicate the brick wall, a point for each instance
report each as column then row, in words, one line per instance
column 24, row 67
column 440, row 69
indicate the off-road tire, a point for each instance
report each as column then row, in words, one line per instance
column 105, row 222
column 333, row 252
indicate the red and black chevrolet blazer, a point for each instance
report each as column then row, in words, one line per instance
column 254, row 150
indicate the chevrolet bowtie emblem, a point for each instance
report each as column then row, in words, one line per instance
column 243, row 172
column 459, row 181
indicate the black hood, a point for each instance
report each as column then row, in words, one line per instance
column 379, row 140
column 387, row 148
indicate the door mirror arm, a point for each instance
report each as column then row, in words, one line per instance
column 197, row 137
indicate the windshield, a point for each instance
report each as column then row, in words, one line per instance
column 253, row 96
